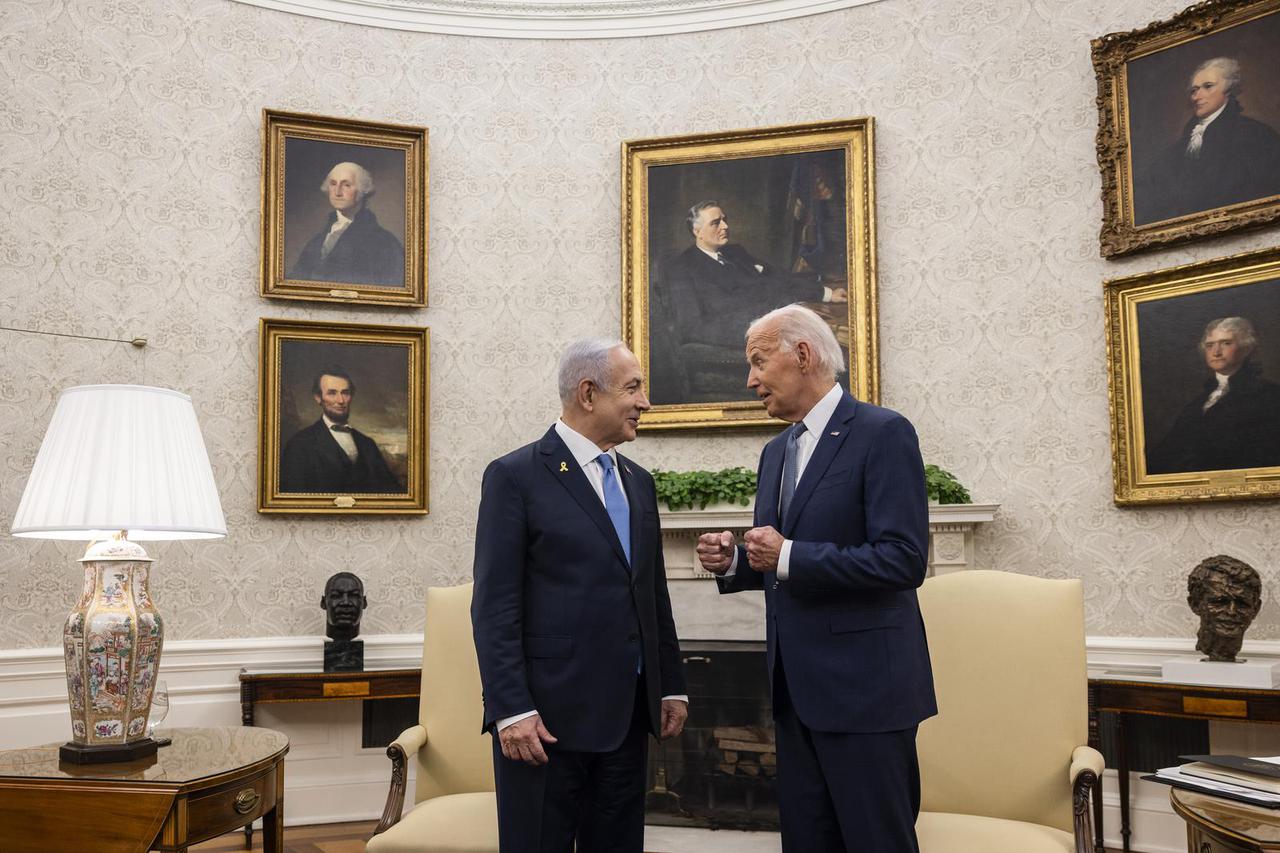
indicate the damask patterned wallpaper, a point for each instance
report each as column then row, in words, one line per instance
column 130, row 183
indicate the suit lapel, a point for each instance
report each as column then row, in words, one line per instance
column 833, row 436
column 329, row 446
column 770, row 485
column 566, row 470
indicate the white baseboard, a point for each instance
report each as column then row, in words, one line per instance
column 329, row 778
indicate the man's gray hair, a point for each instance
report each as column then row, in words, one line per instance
column 1227, row 67
column 1240, row 328
column 586, row 359
column 795, row 323
column 364, row 181
column 696, row 211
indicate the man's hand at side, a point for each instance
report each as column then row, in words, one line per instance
column 522, row 740
column 674, row 713
column 715, row 551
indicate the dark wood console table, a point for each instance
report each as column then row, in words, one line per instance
column 315, row 685
column 1154, row 696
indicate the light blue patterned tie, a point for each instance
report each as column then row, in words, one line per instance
column 615, row 504
column 789, row 465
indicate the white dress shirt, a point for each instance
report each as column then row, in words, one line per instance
column 1224, row 385
column 340, row 224
column 1197, row 132
column 587, row 454
column 344, row 439
column 814, row 424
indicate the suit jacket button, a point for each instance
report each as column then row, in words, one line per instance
column 631, row 638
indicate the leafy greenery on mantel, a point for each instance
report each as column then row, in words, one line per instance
column 683, row 489
column 943, row 487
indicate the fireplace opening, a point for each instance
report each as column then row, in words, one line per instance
column 719, row 773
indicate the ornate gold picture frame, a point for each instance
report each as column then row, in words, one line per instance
column 1193, row 362
column 1189, row 125
column 719, row 228
column 344, row 210
column 343, row 415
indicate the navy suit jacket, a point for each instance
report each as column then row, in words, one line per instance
column 559, row 617
column 366, row 253
column 313, row 461
column 846, row 623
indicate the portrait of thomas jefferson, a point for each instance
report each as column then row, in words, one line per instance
column 1233, row 420
column 1220, row 154
column 352, row 246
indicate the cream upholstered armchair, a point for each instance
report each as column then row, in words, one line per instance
column 456, row 810
column 1004, row 766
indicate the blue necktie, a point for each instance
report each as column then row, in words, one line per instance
column 615, row 504
column 789, row 465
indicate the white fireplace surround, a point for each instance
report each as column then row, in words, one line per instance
column 951, row 535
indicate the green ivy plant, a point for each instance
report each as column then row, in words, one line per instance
column 943, row 487
column 683, row 489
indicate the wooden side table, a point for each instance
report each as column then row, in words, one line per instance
column 1154, row 696
column 315, row 685
column 208, row 782
column 1217, row 825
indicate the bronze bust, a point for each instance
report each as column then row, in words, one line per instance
column 343, row 602
column 1226, row 594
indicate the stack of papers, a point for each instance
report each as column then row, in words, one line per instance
column 1250, row 788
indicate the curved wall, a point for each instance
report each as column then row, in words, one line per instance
column 130, row 187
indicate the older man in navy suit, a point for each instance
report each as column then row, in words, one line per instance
column 573, row 629
column 839, row 547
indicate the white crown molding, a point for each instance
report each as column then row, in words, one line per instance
column 555, row 19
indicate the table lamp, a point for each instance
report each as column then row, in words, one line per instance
column 119, row 464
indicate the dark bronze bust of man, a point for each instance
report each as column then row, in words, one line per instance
column 343, row 603
column 1226, row 594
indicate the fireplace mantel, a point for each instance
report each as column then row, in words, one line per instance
column 951, row 535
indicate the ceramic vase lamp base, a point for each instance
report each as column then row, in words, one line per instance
column 112, row 642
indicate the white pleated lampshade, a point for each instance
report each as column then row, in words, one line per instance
column 121, row 457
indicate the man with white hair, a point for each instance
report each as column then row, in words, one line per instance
column 839, row 546
column 577, row 647
column 1222, row 157
column 351, row 247
column 1233, row 421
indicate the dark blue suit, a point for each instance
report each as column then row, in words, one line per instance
column 561, row 623
column 847, row 654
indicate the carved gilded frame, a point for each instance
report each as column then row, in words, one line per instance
column 854, row 139
column 278, row 130
column 325, row 342
column 1112, row 54
column 1124, row 297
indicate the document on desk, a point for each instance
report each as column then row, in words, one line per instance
column 1174, row 776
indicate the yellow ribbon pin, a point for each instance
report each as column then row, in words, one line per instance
column 564, row 467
